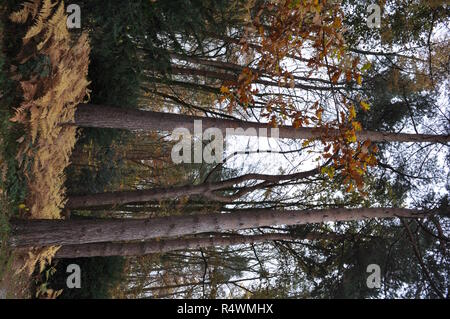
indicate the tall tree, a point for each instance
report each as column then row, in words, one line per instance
column 166, row 245
column 68, row 232
column 89, row 115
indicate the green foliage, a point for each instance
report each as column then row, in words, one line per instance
column 12, row 184
column 404, row 21
column 11, row 181
column 114, row 73
column 387, row 91
column 98, row 276
column 125, row 41
column 40, row 66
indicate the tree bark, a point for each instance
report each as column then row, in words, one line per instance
column 145, row 195
column 101, row 116
column 166, row 245
column 35, row 233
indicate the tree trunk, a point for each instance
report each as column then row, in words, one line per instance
column 90, row 115
column 166, row 245
column 35, row 233
column 145, row 195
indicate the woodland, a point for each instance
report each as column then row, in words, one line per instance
column 359, row 175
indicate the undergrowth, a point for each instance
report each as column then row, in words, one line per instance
column 13, row 188
column 44, row 80
column 53, row 77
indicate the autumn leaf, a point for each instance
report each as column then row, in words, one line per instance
column 273, row 122
column 335, row 77
column 329, row 170
column 359, row 79
column 365, row 106
column 337, row 23
column 352, row 113
column 356, row 126
column 349, row 188
column 366, row 67
column 297, row 123
column 348, row 76
column 351, row 136
column 319, row 114
column 224, row 90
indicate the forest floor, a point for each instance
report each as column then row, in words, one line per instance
column 13, row 284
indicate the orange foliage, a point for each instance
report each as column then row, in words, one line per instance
column 49, row 102
column 287, row 27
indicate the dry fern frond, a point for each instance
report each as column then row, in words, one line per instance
column 28, row 8
column 48, row 145
column 43, row 15
column 57, row 27
column 43, row 256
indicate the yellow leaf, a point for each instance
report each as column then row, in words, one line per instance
column 319, row 114
column 357, row 126
column 349, row 188
column 224, row 90
column 351, row 136
column 337, row 23
column 329, row 170
column 352, row 113
column 365, row 106
column 359, row 79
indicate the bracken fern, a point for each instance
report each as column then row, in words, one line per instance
column 48, row 102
